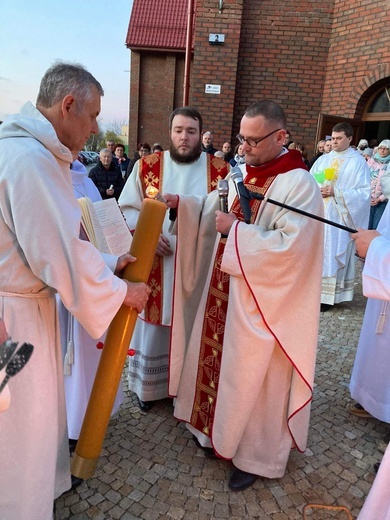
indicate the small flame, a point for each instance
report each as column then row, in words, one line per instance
column 153, row 193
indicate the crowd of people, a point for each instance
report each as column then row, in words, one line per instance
column 205, row 299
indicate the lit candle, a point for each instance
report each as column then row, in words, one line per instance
column 116, row 345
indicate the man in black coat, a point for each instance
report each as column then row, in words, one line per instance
column 107, row 176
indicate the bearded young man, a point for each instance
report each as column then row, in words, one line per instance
column 184, row 169
column 245, row 385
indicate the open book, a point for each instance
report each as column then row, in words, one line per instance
column 105, row 226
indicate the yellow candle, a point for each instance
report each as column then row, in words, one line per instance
column 109, row 372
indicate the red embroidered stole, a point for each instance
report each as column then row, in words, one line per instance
column 258, row 179
column 151, row 173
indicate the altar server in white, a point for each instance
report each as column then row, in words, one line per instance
column 371, row 385
column 184, row 168
column 81, row 352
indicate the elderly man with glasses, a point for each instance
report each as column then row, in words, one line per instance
column 248, row 339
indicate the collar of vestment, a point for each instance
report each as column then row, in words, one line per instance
column 151, row 173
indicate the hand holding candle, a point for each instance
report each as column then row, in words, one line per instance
column 116, row 345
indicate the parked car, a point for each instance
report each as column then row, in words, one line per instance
column 94, row 156
column 86, row 159
column 82, row 158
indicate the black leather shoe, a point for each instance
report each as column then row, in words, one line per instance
column 76, row 482
column 145, row 406
column 240, row 480
column 72, row 445
column 210, row 453
column 325, row 307
column 376, row 467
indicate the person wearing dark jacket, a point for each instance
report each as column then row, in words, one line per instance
column 106, row 176
column 207, row 143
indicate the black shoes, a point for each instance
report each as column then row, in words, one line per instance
column 72, row 445
column 241, row 480
column 76, row 482
column 145, row 406
column 325, row 307
column 210, row 453
column 376, row 467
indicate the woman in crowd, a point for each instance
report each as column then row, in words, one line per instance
column 379, row 165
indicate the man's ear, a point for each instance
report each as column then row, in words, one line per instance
column 68, row 104
column 281, row 135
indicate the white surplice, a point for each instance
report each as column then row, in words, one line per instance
column 350, row 207
column 40, row 253
column 370, row 382
column 262, row 406
column 80, row 374
column 148, row 368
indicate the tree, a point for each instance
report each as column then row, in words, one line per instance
column 95, row 141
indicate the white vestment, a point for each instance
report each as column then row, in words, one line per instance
column 370, row 383
column 262, row 405
column 79, row 375
column 373, row 387
column 40, row 253
column 148, row 368
column 350, row 206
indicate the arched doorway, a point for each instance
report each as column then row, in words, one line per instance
column 372, row 115
column 376, row 115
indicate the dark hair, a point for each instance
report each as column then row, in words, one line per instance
column 269, row 110
column 187, row 112
column 343, row 127
column 236, row 148
column 62, row 79
column 119, row 145
column 144, row 145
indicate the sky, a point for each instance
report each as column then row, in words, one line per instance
column 34, row 34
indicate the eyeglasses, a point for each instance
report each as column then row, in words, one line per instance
column 254, row 142
column 382, row 148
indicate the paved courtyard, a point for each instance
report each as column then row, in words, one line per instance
column 151, row 469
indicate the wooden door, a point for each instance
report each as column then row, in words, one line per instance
column 327, row 122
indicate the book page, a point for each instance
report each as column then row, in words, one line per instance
column 114, row 226
column 92, row 226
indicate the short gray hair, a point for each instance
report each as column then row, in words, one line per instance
column 62, row 79
column 105, row 150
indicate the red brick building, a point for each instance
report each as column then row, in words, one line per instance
column 323, row 61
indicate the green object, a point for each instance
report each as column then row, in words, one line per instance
column 320, row 177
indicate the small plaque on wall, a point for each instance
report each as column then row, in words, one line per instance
column 212, row 89
column 216, row 39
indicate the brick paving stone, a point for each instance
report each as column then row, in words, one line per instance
column 176, row 513
column 150, row 468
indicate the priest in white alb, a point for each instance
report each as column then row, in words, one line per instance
column 246, row 308
column 344, row 179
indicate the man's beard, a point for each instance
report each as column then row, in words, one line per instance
column 189, row 157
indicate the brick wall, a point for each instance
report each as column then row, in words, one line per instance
column 310, row 56
column 281, row 50
column 359, row 55
column 156, row 85
column 216, row 65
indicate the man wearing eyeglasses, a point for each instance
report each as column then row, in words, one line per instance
column 248, row 339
